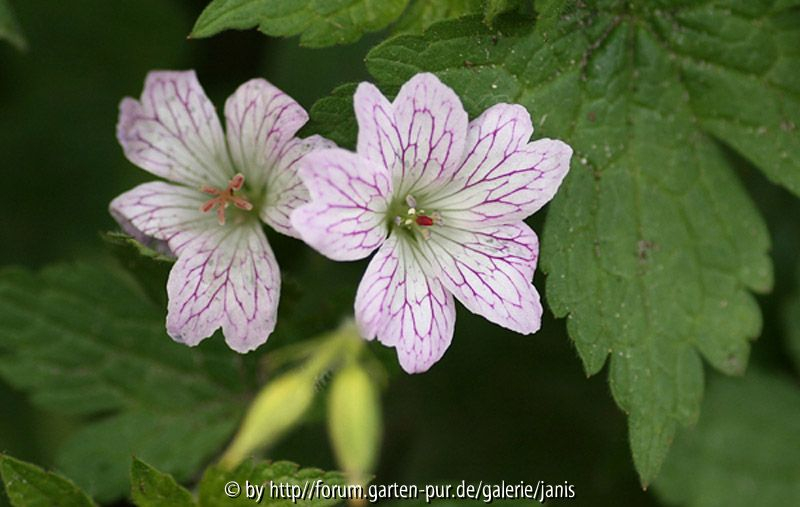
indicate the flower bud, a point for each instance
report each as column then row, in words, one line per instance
column 354, row 422
column 277, row 408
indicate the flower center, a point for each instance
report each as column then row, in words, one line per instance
column 413, row 219
column 225, row 198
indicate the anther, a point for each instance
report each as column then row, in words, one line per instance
column 225, row 197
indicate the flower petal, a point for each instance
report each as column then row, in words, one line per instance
column 378, row 137
column 401, row 306
column 490, row 272
column 433, row 125
column 260, row 120
column 285, row 190
column 163, row 216
column 419, row 137
column 227, row 278
column 174, row 131
column 503, row 178
column 345, row 219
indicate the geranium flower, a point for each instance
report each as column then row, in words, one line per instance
column 442, row 199
column 223, row 186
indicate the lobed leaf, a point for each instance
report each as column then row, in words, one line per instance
column 86, row 341
column 27, row 485
column 318, row 22
column 652, row 246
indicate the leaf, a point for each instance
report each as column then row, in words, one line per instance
column 743, row 450
column 85, row 340
column 423, row 13
column 151, row 488
column 9, row 27
column 494, row 8
column 29, row 486
column 791, row 319
column 318, row 22
column 212, row 486
column 652, row 246
column 150, row 268
column 333, row 117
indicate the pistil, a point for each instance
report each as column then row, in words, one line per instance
column 225, row 198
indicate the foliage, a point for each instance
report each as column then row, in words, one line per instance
column 742, row 451
column 9, row 27
column 84, row 340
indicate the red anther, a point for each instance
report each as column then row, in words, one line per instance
column 237, row 182
column 424, row 220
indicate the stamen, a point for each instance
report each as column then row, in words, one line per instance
column 424, row 220
column 225, row 197
column 412, row 203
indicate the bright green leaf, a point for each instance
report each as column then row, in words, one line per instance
column 743, row 451
column 86, row 341
column 9, row 27
column 213, row 485
column 27, row 485
column 423, row 13
column 151, row 488
column 318, row 22
column 652, row 245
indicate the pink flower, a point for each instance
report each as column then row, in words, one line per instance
column 442, row 200
column 223, row 186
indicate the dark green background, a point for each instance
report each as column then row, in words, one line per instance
column 499, row 406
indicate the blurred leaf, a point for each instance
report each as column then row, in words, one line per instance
column 151, row 488
column 29, row 486
column 791, row 317
column 150, row 268
column 318, row 22
column 652, row 245
column 85, row 340
column 423, row 13
column 212, row 486
column 9, row 28
column 743, row 452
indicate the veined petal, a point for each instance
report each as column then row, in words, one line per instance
column 285, row 191
column 490, row 271
column 378, row 137
column 260, row 120
column 433, row 125
column 405, row 308
column 174, row 131
column 503, row 178
column 163, row 216
column 228, row 278
column 345, row 219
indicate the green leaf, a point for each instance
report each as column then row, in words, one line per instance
column 151, row 488
column 494, row 8
column 423, row 13
column 9, row 27
column 318, row 22
column 212, row 486
column 791, row 318
column 150, row 268
column 333, row 117
column 652, row 245
column 29, row 486
column 85, row 340
column 743, row 451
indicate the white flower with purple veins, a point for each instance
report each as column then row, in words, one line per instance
column 442, row 199
column 222, row 186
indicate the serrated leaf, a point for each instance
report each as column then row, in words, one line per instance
column 212, row 486
column 318, row 22
column 27, row 485
column 652, row 245
column 743, row 450
column 9, row 27
column 85, row 340
column 423, row 13
column 151, row 488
